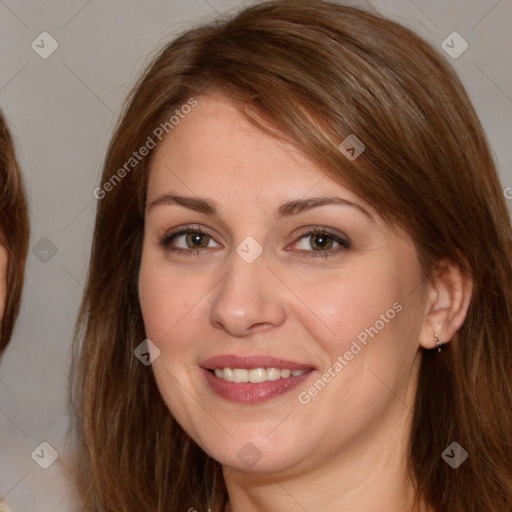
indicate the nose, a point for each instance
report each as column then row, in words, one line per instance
column 248, row 298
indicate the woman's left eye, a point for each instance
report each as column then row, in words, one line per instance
column 322, row 240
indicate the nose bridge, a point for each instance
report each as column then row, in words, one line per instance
column 248, row 294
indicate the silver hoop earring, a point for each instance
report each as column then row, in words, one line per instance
column 439, row 345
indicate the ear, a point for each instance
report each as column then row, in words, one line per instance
column 448, row 295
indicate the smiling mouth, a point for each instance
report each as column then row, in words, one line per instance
column 253, row 378
column 254, row 385
column 255, row 375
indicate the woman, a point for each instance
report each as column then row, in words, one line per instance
column 299, row 292
column 14, row 238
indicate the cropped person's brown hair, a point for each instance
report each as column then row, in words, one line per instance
column 14, row 230
column 318, row 71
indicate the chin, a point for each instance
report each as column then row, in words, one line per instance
column 255, row 455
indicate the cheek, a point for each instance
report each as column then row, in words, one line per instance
column 370, row 316
column 154, row 302
column 163, row 297
column 368, row 336
column 174, row 309
column 345, row 303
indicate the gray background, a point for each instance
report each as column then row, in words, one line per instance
column 62, row 111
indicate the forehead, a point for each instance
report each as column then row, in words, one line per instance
column 215, row 148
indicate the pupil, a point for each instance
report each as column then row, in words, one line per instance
column 323, row 240
column 197, row 239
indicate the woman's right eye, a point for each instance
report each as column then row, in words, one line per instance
column 195, row 240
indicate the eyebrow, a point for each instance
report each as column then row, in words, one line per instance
column 286, row 209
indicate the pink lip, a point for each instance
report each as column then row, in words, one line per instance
column 247, row 392
column 250, row 362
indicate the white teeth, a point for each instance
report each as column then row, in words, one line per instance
column 240, row 375
column 255, row 375
column 273, row 373
column 258, row 375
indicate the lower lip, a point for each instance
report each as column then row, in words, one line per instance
column 247, row 392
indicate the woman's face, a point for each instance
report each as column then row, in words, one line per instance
column 253, row 274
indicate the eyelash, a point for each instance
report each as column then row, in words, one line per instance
column 344, row 242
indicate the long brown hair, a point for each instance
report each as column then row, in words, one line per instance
column 318, row 72
column 14, row 230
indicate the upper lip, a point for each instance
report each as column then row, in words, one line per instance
column 251, row 362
